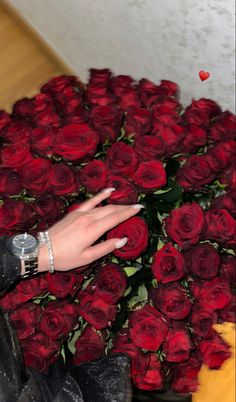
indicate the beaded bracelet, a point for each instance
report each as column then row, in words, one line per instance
column 44, row 239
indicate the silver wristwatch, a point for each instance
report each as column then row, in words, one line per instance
column 26, row 247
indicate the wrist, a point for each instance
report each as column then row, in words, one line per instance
column 43, row 263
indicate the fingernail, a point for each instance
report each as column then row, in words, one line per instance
column 108, row 190
column 120, row 243
column 138, row 206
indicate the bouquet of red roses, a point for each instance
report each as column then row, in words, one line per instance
column 158, row 297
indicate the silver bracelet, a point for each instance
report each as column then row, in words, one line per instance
column 44, row 239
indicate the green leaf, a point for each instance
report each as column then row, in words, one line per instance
column 160, row 244
column 128, row 290
column 71, row 343
column 140, row 298
column 63, row 353
column 86, row 283
column 130, row 271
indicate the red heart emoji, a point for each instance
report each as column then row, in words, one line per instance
column 204, row 75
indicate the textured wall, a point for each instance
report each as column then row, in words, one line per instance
column 156, row 39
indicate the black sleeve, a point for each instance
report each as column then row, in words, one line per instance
column 10, row 266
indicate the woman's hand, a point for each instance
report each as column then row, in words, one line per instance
column 73, row 236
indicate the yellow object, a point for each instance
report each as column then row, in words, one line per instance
column 219, row 385
column 26, row 63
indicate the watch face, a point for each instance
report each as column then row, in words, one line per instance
column 24, row 243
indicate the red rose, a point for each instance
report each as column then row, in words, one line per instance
column 129, row 99
column 229, row 312
column 195, row 137
column 42, row 140
column 148, row 329
column 150, row 175
column 93, row 176
column 228, row 267
column 16, row 214
column 126, row 192
column 106, row 120
column 89, row 346
column 18, row 132
column 136, row 230
column 202, row 260
column 195, row 173
column 34, row 175
column 219, row 226
column 10, row 183
column 47, row 117
column 214, row 294
column 152, row 378
column 22, row 108
column 76, row 141
column 171, row 87
column 62, row 179
column 171, row 138
column 196, row 116
column 165, row 119
column 185, row 376
column 165, row 106
column 177, row 346
column 150, row 92
column 202, row 321
column 97, row 94
column 110, row 283
column 226, row 201
column 184, row 224
column 221, row 154
column 96, row 311
column 139, row 360
column 59, row 84
column 149, row 147
column 121, row 158
column 208, row 106
column 15, row 155
column 172, row 300
column 138, row 121
column 223, row 127
column 40, row 352
column 42, row 102
column 68, row 101
column 25, row 319
column 120, row 84
column 58, row 319
column 99, row 75
column 49, row 207
column 23, row 292
column 61, row 284
column 228, row 177
column 4, row 119
column 214, row 352
column 168, row 264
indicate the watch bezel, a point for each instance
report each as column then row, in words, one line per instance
column 28, row 252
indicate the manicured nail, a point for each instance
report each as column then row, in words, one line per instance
column 120, row 243
column 108, row 190
column 138, row 206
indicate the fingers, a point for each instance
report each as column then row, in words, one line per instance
column 112, row 220
column 100, row 250
column 92, row 202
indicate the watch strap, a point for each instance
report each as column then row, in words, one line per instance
column 30, row 267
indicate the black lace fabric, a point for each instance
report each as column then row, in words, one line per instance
column 104, row 380
column 10, row 266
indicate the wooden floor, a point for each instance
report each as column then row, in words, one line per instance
column 24, row 66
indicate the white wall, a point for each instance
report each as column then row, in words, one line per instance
column 155, row 39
